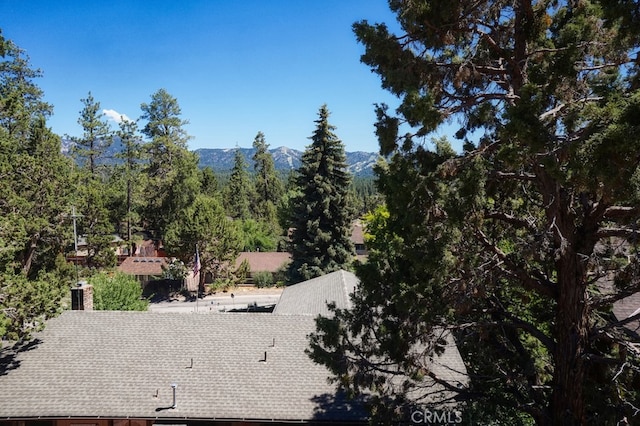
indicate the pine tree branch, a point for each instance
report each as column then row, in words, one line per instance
column 620, row 323
column 510, row 219
column 621, row 212
column 527, row 177
column 625, row 233
column 516, row 271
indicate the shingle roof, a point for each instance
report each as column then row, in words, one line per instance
column 626, row 308
column 121, row 364
column 311, row 297
column 264, row 261
column 143, row 265
column 357, row 232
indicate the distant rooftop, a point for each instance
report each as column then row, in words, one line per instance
column 143, row 265
column 264, row 261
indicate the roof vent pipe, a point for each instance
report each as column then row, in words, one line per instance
column 174, row 386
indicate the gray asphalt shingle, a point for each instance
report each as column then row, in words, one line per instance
column 311, row 297
column 113, row 364
column 122, row 364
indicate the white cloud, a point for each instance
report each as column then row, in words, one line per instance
column 114, row 115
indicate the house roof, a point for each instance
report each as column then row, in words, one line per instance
column 311, row 297
column 122, row 364
column 264, row 261
column 115, row 239
column 227, row 366
column 143, row 265
column 357, row 232
column 627, row 307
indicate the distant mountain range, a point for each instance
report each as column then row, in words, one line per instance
column 285, row 159
column 221, row 159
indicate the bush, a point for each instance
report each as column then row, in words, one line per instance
column 280, row 275
column 263, row 279
column 221, row 284
column 174, row 270
column 117, row 292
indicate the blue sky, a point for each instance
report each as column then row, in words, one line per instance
column 235, row 67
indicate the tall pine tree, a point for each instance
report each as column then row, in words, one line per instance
column 89, row 149
column 321, row 212
column 129, row 175
column 239, row 193
column 172, row 170
column 268, row 185
column 523, row 243
column 96, row 138
column 36, row 184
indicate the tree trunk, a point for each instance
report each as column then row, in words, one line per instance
column 129, row 242
column 29, row 253
column 571, row 328
column 571, row 334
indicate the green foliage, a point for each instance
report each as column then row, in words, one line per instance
column 128, row 179
column 36, row 184
column 172, row 171
column 175, row 270
column 26, row 303
column 21, row 100
column 268, row 185
column 117, row 292
column 97, row 136
column 164, row 127
column 208, row 182
column 365, row 194
column 238, row 192
column 509, row 243
column 204, row 225
column 96, row 226
column 322, row 210
column 263, row 279
column 242, row 272
column 257, row 236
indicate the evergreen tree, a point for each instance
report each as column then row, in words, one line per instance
column 172, row 170
column 97, row 135
column 239, row 192
column 20, row 99
column 36, row 183
column 96, row 226
column 366, row 195
column 95, row 223
column 520, row 244
column 321, row 213
column 208, row 182
column 130, row 173
column 268, row 186
column 205, row 225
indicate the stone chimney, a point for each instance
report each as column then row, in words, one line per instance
column 82, row 297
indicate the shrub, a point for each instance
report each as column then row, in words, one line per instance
column 263, row 279
column 221, row 284
column 117, row 292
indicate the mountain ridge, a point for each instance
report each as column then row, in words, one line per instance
column 359, row 163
